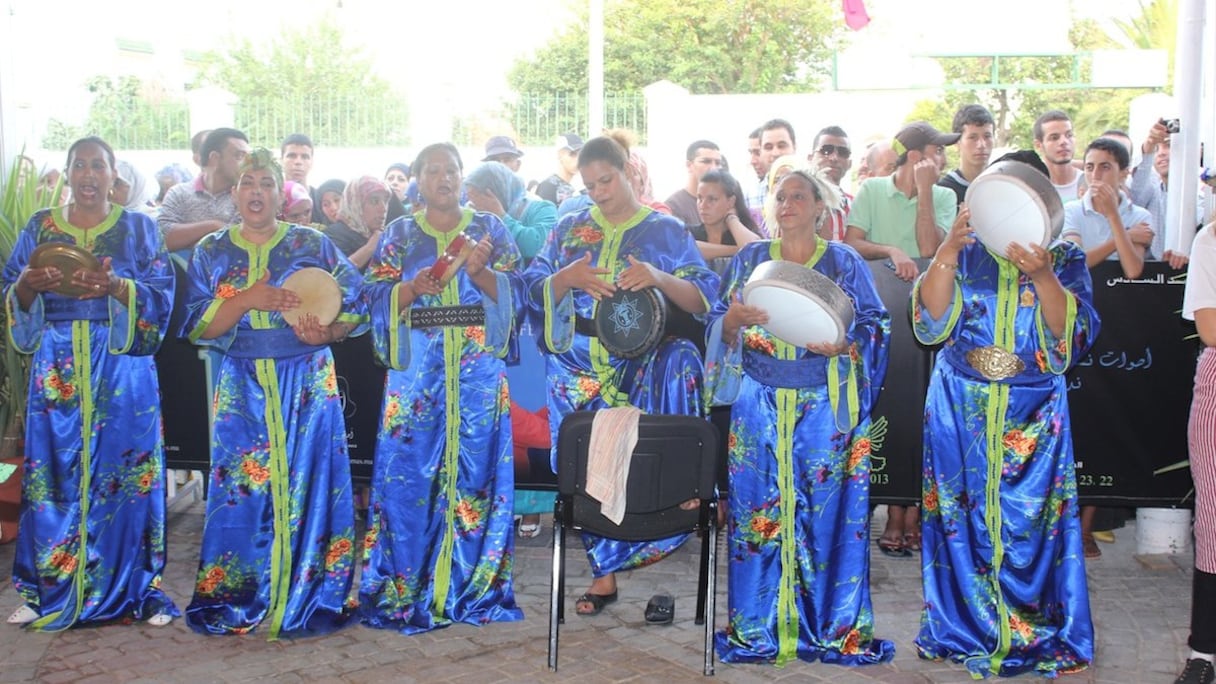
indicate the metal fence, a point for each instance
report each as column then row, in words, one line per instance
column 341, row 122
column 538, row 118
column 535, row 118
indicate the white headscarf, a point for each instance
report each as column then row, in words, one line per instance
column 141, row 192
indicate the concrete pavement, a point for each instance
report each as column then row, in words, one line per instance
column 1140, row 606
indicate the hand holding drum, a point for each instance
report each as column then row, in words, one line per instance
column 804, row 307
column 263, row 296
column 1013, row 202
column 52, row 262
column 452, row 259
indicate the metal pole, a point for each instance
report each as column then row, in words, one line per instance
column 595, row 69
column 1189, row 74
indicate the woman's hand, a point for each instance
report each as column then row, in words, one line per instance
column 95, row 283
column 479, row 258
column 740, row 315
column 581, row 275
column 639, row 276
column 310, row 331
column 39, row 280
column 424, row 284
column 266, row 297
column 828, row 349
column 1034, row 262
column 959, row 237
column 484, row 200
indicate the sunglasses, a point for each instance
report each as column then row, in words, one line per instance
column 827, row 149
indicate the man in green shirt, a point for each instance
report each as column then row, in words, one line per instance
column 905, row 215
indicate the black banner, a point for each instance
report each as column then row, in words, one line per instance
column 1129, row 397
column 898, row 418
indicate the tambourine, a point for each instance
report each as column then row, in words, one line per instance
column 803, row 305
column 319, row 295
column 453, row 258
column 1013, row 202
column 629, row 324
column 68, row 259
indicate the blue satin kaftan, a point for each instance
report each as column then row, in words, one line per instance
column 582, row 375
column 440, row 548
column 91, row 543
column 798, row 532
column 1003, row 568
column 278, row 541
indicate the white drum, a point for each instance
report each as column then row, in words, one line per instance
column 1014, row 202
column 803, row 305
column 319, row 295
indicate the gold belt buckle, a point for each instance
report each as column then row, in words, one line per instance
column 995, row 363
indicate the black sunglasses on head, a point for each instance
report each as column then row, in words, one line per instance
column 827, row 149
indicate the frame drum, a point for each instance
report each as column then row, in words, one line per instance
column 453, row 258
column 1014, row 202
column 68, row 258
column 803, row 305
column 319, row 294
column 629, row 324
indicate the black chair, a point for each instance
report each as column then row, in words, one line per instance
column 675, row 460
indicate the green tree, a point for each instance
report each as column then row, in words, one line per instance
column 309, row 82
column 127, row 116
column 707, row 46
column 1015, row 108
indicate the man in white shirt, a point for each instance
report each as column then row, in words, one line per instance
column 1053, row 140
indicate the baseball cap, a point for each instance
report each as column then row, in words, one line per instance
column 917, row 134
column 500, row 145
column 569, row 141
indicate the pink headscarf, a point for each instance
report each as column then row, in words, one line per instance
column 293, row 194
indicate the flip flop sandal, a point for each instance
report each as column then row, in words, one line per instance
column 597, row 602
column 891, row 548
column 661, row 609
column 912, row 541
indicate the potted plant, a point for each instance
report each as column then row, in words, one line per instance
column 21, row 195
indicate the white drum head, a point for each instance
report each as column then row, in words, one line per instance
column 1007, row 208
column 794, row 315
column 319, row 295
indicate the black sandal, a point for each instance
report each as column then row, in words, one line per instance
column 661, row 609
column 596, row 601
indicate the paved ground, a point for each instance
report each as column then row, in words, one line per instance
column 1140, row 608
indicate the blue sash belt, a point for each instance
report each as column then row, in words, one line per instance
column 796, row 374
column 279, row 343
column 66, row 309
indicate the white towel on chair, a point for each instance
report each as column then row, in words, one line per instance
column 614, row 434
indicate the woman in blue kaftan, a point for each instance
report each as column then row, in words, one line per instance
column 615, row 243
column 799, row 462
column 440, row 547
column 278, row 541
column 1002, row 564
column 91, row 540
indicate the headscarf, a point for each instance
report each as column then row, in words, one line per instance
column 141, row 193
column 177, row 172
column 400, row 166
column 497, row 179
column 260, row 159
column 293, row 194
column 641, row 178
column 354, row 197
